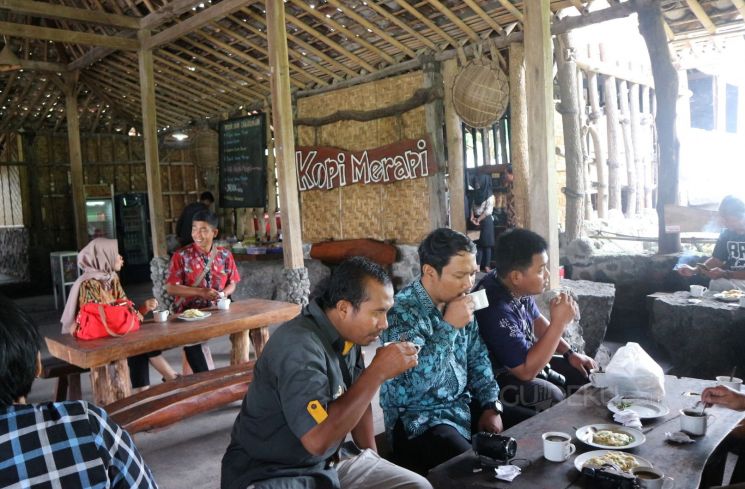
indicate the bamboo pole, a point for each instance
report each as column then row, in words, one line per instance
column 438, row 213
column 284, row 135
column 636, row 145
column 539, row 90
column 519, row 135
column 271, row 179
column 599, row 149
column 456, row 167
column 611, row 200
column 648, row 147
column 628, row 149
column 582, row 113
column 567, row 107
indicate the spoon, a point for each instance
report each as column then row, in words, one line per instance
column 732, row 374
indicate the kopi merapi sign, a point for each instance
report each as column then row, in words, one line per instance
column 326, row 167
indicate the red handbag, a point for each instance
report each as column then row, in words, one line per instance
column 102, row 320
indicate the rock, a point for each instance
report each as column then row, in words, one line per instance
column 579, row 252
column 595, row 303
column 14, row 260
column 703, row 340
column 263, row 279
column 406, row 268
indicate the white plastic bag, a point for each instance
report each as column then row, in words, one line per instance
column 632, row 372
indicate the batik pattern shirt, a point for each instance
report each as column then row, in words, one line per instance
column 187, row 264
column 453, row 368
column 99, row 292
column 67, row 445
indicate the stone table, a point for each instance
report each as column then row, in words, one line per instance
column 704, row 339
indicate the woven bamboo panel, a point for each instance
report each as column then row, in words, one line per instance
column 121, row 183
column 88, row 149
column 205, row 147
column 137, row 149
column 383, row 211
column 90, row 174
column 404, row 212
column 321, row 212
column 360, row 209
column 106, row 150
column 139, row 180
column 189, row 184
column 59, row 150
column 106, row 173
column 40, row 149
column 121, row 149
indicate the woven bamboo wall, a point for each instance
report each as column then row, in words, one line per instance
column 383, row 211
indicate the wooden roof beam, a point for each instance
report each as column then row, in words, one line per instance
column 30, row 65
column 701, row 15
column 50, row 11
column 306, row 46
column 512, row 9
column 401, row 24
column 196, row 22
column 484, row 16
column 455, row 19
column 372, row 27
column 431, row 25
column 337, row 27
column 740, row 6
column 73, row 37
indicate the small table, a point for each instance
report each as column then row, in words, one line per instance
column 107, row 357
column 685, row 463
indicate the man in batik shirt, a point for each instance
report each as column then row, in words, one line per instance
column 194, row 288
column 431, row 410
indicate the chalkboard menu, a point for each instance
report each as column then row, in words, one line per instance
column 243, row 162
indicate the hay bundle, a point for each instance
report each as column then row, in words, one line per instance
column 481, row 92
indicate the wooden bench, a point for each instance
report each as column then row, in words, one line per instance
column 67, row 375
column 172, row 401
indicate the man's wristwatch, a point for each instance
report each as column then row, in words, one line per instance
column 567, row 354
column 494, row 406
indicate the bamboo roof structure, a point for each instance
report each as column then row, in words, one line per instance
column 211, row 56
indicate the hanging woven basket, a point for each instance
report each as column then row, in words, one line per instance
column 481, row 93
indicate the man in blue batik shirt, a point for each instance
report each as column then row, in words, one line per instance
column 432, row 409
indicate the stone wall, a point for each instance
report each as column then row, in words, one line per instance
column 14, row 257
column 263, row 279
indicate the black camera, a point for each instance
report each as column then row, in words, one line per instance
column 493, row 446
column 551, row 375
column 607, row 477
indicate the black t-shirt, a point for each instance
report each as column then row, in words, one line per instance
column 730, row 249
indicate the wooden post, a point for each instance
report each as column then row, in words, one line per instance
column 582, row 115
column 666, row 91
column 150, row 139
column 647, row 141
column 614, row 156
column 539, row 91
column 519, row 135
column 76, row 159
column 600, row 156
column 438, row 213
column 575, row 185
column 271, row 179
column 628, row 148
column 284, row 136
column 636, row 145
column 456, row 167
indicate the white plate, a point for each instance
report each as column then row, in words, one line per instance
column 206, row 315
column 585, row 434
column 645, row 408
column 580, row 459
column 724, row 298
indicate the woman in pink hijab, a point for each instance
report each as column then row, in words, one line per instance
column 100, row 261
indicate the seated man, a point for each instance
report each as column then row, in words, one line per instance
column 71, row 444
column 198, row 275
column 723, row 396
column 311, row 388
column 432, row 410
column 521, row 341
column 726, row 267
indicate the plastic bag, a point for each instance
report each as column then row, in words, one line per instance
column 632, row 372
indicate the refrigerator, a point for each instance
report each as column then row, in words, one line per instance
column 99, row 211
column 133, row 231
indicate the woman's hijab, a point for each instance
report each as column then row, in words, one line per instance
column 97, row 260
column 482, row 188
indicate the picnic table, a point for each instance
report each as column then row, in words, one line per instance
column 685, row 463
column 107, row 357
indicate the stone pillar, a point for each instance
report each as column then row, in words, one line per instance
column 294, row 286
column 158, row 271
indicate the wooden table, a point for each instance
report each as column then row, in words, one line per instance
column 107, row 357
column 685, row 463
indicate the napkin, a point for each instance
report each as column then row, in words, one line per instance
column 678, row 437
column 628, row 418
column 507, row 472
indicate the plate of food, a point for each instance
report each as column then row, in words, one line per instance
column 194, row 315
column 645, row 408
column 610, row 436
column 732, row 295
column 598, row 458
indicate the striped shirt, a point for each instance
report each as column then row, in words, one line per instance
column 67, row 445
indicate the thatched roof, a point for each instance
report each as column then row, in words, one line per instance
column 211, row 56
